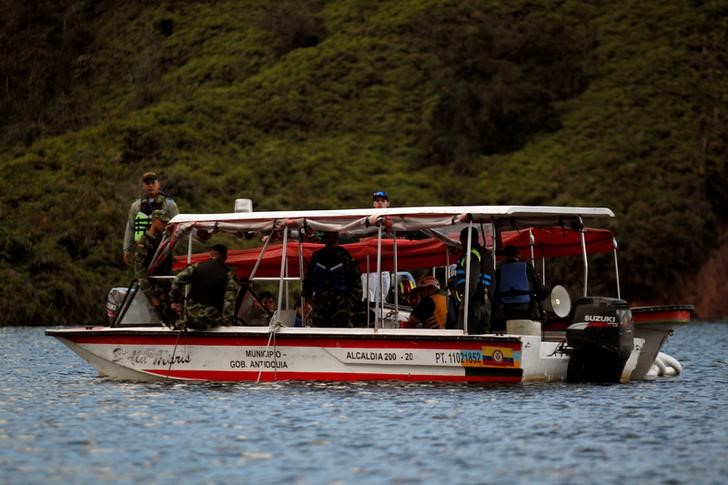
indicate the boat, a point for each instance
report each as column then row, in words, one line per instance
column 598, row 341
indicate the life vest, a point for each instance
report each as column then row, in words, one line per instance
column 143, row 219
column 485, row 279
column 209, row 282
column 440, row 312
column 329, row 272
column 513, row 285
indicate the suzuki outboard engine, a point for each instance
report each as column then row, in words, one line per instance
column 601, row 338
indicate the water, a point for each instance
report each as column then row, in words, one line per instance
column 59, row 423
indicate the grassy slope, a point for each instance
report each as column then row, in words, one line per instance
column 315, row 106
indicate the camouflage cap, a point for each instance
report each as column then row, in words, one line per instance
column 149, row 176
column 160, row 214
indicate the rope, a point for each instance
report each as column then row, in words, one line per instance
column 273, row 329
column 174, row 352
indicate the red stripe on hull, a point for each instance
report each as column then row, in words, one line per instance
column 368, row 341
column 236, row 376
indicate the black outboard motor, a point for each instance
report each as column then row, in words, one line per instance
column 601, row 338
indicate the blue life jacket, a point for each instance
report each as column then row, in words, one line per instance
column 513, row 285
column 330, row 273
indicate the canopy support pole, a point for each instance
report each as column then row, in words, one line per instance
column 366, row 289
column 380, row 303
column 189, row 249
column 447, row 265
column 260, row 256
column 281, row 281
column 466, row 299
column 586, row 262
column 396, row 270
column 304, row 323
column 616, row 267
column 531, row 243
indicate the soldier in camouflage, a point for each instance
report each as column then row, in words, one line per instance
column 211, row 299
column 332, row 284
column 140, row 212
column 156, row 290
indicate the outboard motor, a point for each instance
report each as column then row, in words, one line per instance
column 601, row 337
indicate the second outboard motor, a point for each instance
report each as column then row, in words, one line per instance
column 601, row 337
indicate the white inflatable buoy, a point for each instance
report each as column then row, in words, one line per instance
column 664, row 366
column 671, row 362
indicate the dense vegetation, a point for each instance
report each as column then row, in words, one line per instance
column 314, row 104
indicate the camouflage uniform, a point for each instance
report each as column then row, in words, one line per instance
column 332, row 296
column 145, row 249
column 201, row 315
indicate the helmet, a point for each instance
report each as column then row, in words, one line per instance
column 406, row 286
column 428, row 280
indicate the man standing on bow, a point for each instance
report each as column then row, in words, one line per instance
column 141, row 210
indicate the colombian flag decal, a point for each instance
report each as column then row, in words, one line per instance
column 492, row 356
column 501, row 356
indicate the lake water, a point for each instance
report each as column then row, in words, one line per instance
column 60, row 423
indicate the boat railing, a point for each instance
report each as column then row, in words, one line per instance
column 126, row 302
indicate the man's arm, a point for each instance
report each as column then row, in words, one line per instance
column 140, row 269
column 129, row 232
column 171, row 207
column 184, row 277
column 231, row 292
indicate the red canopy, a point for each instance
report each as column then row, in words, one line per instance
column 410, row 255
column 424, row 253
column 552, row 242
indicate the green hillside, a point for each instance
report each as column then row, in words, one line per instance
column 315, row 104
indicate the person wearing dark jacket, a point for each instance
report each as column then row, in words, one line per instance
column 332, row 284
column 480, row 284
column 211, row 299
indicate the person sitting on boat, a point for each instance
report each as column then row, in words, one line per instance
column 480, row 285
column 156, row 290
column 211, row 299
column 519, row 288
column 431, row 311
column 332, row 284
column 302, row 317
column 405, row 287
column 141, row 209
column 262, row 309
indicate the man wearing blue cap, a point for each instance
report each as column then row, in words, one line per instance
column 370, row 281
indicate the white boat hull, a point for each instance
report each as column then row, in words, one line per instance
column 255, row 354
